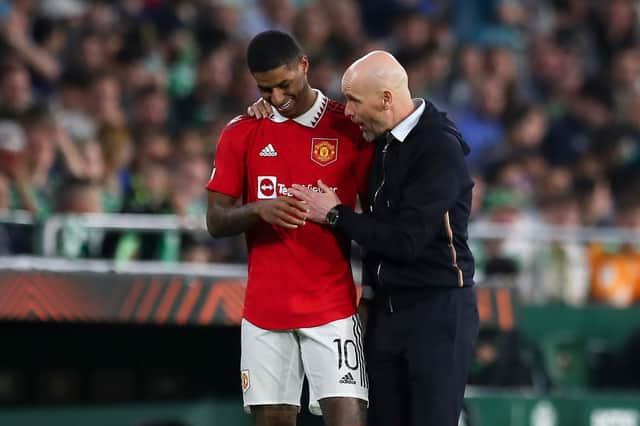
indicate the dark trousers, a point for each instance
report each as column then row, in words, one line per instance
column 418, row 358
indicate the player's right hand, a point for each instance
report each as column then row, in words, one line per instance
column 260, row 109
column 284, row 211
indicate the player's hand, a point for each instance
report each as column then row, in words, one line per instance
column 284, row 211
column 318, row 204
column 260, row 109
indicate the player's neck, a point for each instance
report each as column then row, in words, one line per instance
column 308, row 98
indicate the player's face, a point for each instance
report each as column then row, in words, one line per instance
column 285, row 86
column 364, row 107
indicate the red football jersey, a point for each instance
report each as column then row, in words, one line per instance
column 300, row 277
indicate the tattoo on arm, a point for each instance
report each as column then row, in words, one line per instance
column 225, row 218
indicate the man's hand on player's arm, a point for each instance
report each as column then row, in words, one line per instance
column 260, row 109
column 225, row 217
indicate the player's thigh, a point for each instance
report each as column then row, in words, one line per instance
column 344, row 411
column 333, row 360
column 270, row 367
column 274, row 415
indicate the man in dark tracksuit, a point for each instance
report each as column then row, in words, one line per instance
column 418, row 269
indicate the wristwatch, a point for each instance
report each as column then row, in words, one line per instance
column 332, row 216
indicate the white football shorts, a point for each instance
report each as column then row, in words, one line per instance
column 274, row 363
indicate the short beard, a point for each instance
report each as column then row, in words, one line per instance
column 369, row 137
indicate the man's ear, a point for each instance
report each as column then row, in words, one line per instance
column 304, row 64
column 387, row 99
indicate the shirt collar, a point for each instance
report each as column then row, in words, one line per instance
column 403, row 128
column 312, row 117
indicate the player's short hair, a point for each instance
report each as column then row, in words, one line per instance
column 272, row 49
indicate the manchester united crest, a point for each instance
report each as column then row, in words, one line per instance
column 324, row 151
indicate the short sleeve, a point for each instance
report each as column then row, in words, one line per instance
column 229, row 168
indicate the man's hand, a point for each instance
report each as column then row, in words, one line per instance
column 260, row 109
column 284, row 211
column 317, row 204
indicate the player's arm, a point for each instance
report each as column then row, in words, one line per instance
column 225, row 217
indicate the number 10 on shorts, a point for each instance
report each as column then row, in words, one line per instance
column 349, row 353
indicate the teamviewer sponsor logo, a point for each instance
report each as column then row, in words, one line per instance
column 267, row 187
column 283, row 190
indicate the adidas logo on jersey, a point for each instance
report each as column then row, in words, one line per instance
column 268, row 151
column 347, row 379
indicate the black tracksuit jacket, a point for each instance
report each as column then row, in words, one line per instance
column 414, row 229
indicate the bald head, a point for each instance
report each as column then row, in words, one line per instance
column 379, row 71
column 376, row 87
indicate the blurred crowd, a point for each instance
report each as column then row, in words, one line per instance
column 115, row 106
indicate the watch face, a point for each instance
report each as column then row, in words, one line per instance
column 332, row 217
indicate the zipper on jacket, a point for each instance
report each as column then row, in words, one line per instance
column 375, row 197
column 384, row 174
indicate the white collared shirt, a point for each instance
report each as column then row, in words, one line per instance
column 311, row 117
column 403, row 128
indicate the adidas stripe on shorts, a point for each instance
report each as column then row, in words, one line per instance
column 274, row 362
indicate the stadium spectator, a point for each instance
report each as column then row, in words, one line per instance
column 207, row 100
column 33, row 185
column 481, row 124
column 104, row 104
column 595, row 200
column 562, row 81
column 468, row 67
column 150, row 108
column 78, row 196
column 563, row 275
column 15, row 88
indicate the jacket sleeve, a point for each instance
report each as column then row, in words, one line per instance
column 432, row 187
